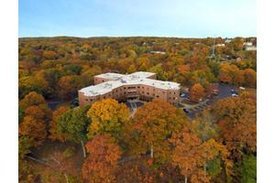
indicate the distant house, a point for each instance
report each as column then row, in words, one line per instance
column 249, row 46
column 227, row 41
column 220, row 45
column 158, row 52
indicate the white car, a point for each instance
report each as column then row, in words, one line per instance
column 234, row 95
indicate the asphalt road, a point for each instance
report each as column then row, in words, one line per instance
column 224, row 92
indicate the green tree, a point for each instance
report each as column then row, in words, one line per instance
column 25, row 143
column 73, row 125
column 205, row 126
column 249, row 166
column 54, row 133
column 73, row 69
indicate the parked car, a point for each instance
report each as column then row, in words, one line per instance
column 242, row 88
column 184, row 95
column 234, row 92
column 186, row 110
column 234, row 95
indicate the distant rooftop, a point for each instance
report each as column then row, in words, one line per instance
column 118, row 80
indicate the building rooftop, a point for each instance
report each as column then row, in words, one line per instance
column 118, row 80
column 110, row 76
column 116, row 76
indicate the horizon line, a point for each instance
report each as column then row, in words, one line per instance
column 135, row 36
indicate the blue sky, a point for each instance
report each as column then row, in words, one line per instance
column 172, row 18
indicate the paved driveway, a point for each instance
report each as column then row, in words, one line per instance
column 193, row 109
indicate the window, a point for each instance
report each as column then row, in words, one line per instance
column 91, row 100
column 157, row 96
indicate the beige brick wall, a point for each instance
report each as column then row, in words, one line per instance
column 142, row 92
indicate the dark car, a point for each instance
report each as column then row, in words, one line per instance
column 184, row 95
column 186, row 110
column 75, row 102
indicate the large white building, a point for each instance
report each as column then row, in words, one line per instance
column 138, row 85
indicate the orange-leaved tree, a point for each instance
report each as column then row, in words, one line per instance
column 250, row 78
column 152, row 126
column 33, row 128
column 31, row 99
column 101, row 163
column 236, row 118
column 197, row 92
column 36, row 116
column 191, row 155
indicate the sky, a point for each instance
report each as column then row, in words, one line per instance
column 168, row 18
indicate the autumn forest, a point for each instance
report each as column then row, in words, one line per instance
column 61, row 142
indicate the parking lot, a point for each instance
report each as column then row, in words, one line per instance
column 191, row 110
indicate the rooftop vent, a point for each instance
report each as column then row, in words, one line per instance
column 123, row 81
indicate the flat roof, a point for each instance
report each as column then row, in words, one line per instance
column 110, row 76
column 137, row 78
column 116, row 76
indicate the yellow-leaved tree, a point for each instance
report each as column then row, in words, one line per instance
column 108, row 117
